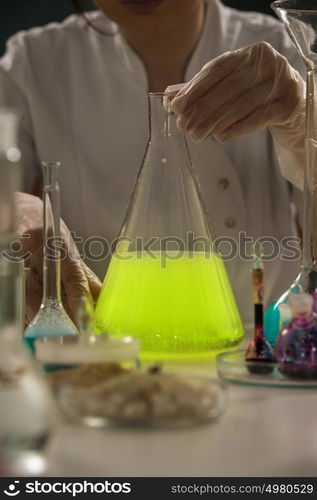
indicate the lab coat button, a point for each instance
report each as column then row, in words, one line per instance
column 231, row 222
column 223, row 184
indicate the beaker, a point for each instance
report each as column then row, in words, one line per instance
column 166, row 284
column 51, row 319
column 300, row 20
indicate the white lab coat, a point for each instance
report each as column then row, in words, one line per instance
column 82, row 98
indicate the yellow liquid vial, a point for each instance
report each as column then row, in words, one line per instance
column 178, row 307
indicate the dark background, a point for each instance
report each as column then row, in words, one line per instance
column 16, row 15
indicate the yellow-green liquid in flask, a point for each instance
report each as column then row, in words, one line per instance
column 179, row 308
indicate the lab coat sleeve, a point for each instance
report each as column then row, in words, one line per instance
column 14, row 94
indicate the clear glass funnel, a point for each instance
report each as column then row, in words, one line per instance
column 300, row 20
column 165, row 285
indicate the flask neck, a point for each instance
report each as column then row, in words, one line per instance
column 51, row 237
column 304, row 322
column 309, row 258
column 258, row 322
column 162, row 119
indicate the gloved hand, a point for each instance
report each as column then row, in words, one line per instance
column 241, row 92
column 77, row 280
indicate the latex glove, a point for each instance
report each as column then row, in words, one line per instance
column 77, row 280
column 241, row 92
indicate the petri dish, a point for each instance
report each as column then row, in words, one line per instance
column 101, row 384
column 232, row 368
column 99, row 349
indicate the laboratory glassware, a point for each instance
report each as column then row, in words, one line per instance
column 166, row 284
column 85, row 319
column 296, row 344
column 27, row 413
column 300, row 20
column 11, row 277
column 51, row 319
column 259, row 348
column 9, row 174
column 26, row 419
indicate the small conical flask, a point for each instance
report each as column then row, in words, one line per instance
column 300, row 20
column 51, row 319
column 296, row 345
column 166, row 285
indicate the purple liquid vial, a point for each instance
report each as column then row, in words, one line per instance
column 296, row 345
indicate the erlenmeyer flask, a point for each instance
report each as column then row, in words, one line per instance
column 165, row 284
column 300, row 20
column 51, row 319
